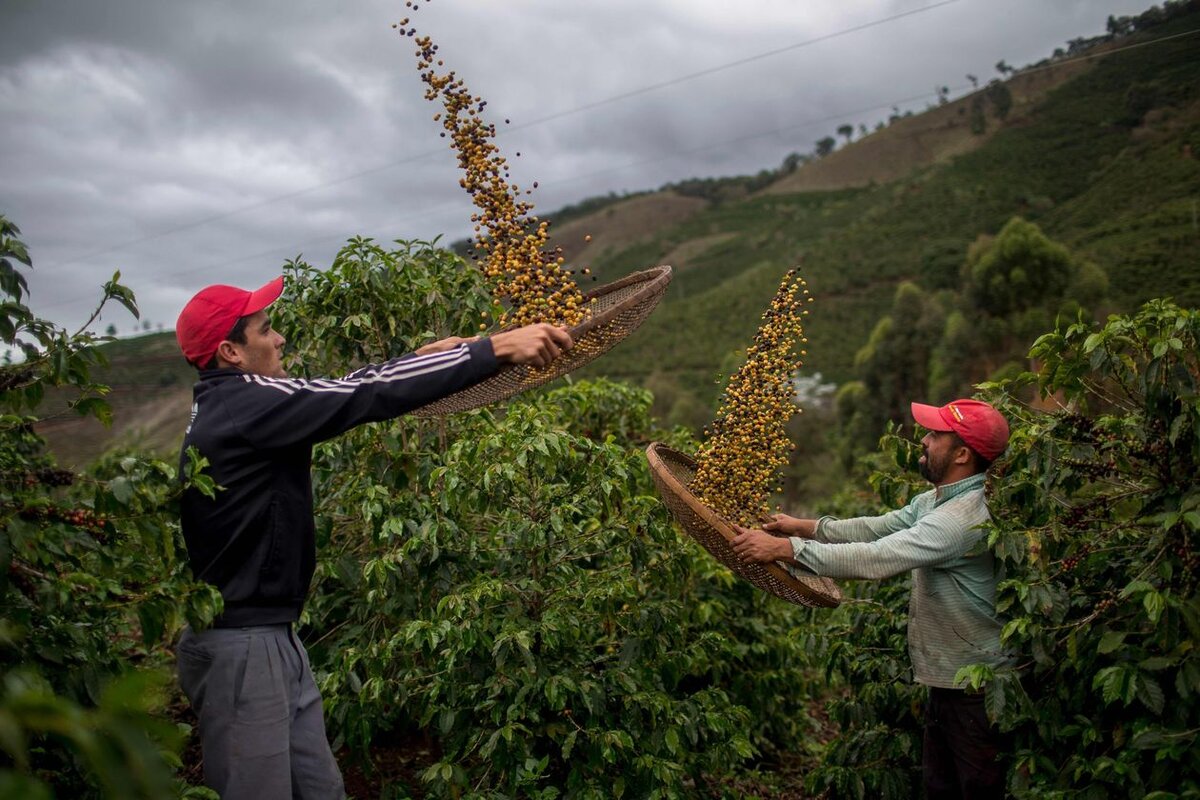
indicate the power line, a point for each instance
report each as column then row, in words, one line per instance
column 645, row 161
column 740, row 62
column 1106, row 53
column 553, row 182
column 531, row 123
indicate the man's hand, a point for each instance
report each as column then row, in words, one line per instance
column 536, row 345
column 443, row 344
column 760, row 547
column 783, row 525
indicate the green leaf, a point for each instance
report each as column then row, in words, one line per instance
column 1148, row 739
column 569, row 744
column 15, row 785
column 1154, row 605
column 114, row 290
column 1115, row 683
column 1150, row 693
column 1136, row 587
column 12, row 739
column 152, row 621
column 672, row 740
column 121, row 489
column 1110, row 641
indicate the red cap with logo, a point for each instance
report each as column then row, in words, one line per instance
column 983, row 428
column 208, row 317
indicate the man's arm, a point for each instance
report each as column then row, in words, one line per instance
column 783, row 536
column 937, row 538
column 279, row 412
column 443, row 344
column 537, row 344
column 856, row 529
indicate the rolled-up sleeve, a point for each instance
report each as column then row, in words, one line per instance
column 867, row 529
column 870, row 551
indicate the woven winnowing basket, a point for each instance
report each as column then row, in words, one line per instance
column 673, row 472
column 615, row 310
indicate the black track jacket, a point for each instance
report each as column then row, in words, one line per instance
column 256, row 540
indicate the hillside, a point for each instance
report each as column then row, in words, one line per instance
column 151, row 393
column 922, row 140
column 1104, row 162
column 1100, row 153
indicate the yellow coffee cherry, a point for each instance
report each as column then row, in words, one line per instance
column 747, row 445
column 527, row 277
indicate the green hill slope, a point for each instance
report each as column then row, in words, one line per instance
column 1105, row 163
column 151, row 393
column 1100, row 153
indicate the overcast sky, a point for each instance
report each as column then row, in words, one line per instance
column 188, row 143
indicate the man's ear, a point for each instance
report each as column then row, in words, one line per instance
column 230, row 353
column 963, row 455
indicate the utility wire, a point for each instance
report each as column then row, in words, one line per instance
column 646, row 161
column 713, row 70
column 676, row 154
column 540, row 121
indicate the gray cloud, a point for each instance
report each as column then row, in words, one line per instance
column 190, row 143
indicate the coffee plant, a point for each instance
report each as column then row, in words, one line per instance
column 503, row 589
column 91, row 590
column 506, row 586
column 1096, row 517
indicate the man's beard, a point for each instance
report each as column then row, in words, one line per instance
column 932, row 471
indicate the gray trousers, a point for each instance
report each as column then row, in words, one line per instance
column 261, row 725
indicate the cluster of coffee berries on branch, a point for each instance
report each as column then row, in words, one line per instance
column 747, row 444
column 528, row 278
column 83, row 518
column 1072, row 561
column 46, row 476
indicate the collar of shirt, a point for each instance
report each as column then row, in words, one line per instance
column 950, row 490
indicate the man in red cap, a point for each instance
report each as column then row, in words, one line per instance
column 248, row 677
column 952, row 622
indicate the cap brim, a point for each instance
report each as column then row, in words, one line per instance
column 930, row 417
column 263, row 296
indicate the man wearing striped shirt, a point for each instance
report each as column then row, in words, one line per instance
column 952, row 622
column 248, row 678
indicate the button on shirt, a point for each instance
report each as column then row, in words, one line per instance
column 939, row 536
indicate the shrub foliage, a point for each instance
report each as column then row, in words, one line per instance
column 1096, row 518
column 504, row 586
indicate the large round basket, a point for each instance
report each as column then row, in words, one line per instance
column 615, row 311
column 673, row 472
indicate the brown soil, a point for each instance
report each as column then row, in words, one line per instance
column 623, row 224
column 149, row 417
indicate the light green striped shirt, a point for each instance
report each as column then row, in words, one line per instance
column 952, row 618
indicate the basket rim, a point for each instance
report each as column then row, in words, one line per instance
column 650, row 283
column 651, row 277
column 654, row 454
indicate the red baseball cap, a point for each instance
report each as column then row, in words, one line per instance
column 208, row 317
column 983, row 428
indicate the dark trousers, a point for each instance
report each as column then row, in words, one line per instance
column 261, row 726
column 961, row 748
